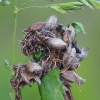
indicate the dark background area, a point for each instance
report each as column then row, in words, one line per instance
column 90, row 67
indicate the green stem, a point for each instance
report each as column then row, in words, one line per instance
column 5, row 66
column 14, row 35
column 15, row 3
column 24, row 3
column 26, row 59
column 33, row 7
column 14, row 39
column 12, row 5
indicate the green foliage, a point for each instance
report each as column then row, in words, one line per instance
column 66, row 7
column 80, row 29
column 58, row 9
column 91, row 3
column 37, row 56
column 85, row 2
column 95, row 3
column 51, row 87
column 70, row 5
column 6, row 64
column 4, row 2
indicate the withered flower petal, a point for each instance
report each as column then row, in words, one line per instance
column 71, row 76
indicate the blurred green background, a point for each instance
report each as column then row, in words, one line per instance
column 90, row 67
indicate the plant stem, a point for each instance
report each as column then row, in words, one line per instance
column 24, row 3
column 15, row 3
column 33, row 7
column 14, row 35
column 14, row 39
column 12, row 5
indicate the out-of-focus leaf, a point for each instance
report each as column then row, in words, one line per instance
column 85, row 2
column 95, row 3
column 77, row 31
column 58, row 9
column 7, row 62
column 5, row 65
column 4, row 2
column 81, row 27
column 51, row 87
column 70, row 5
column 66, row 7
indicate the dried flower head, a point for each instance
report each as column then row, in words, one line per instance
column 49, row 51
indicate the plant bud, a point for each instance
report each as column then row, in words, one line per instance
column 51, row 23
column 56, row 43
column 71, row 56
column 32, row 67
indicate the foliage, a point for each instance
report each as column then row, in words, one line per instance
column 51, row 88
column 80, row 29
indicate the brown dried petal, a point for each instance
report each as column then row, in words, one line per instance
column 69, row 58
column 68, row 95
column 35, row 27
column 37, row 79
column 72, row 77
column 24, row 76
column 33, row 67
column 72, row 32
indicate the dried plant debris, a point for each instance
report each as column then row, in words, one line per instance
column 51, row 46
column 25, row 75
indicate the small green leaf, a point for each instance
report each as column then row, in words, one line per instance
column 58, row 9
column 81, row 27
column 95, row 3
column 7, row 66
column 77, row 31
column 51, row 87
column 85, row 2
column 37, row 56
column 7, row 63
column 64, row 5
column 70, row 5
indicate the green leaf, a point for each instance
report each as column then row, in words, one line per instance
column 77, row 31
column 51, row 87
column 85, row 2
column 57, row 9
column 70, row 5
column 7, row 62
column 95, row 3
column 6, row 65
column 81, row 27
column 37, row 56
